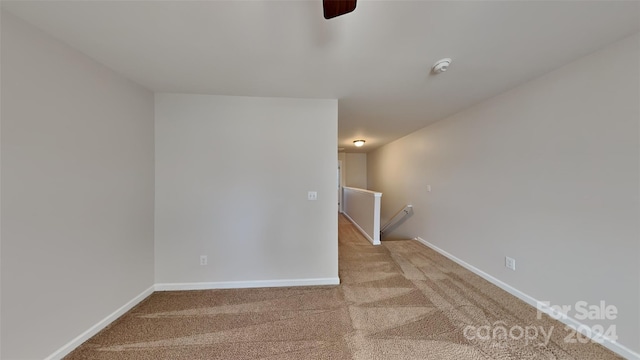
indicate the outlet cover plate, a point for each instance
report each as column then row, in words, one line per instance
column 510, row 263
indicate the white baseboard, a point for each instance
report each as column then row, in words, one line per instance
column 606, row 342
column 246, row 284
column 361, row 230
column 92, row 331
column 71, row 345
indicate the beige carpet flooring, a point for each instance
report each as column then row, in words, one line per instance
column 400, row 300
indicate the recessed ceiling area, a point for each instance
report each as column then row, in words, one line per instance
column 376, row 60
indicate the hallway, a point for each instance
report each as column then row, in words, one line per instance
column 399, row 300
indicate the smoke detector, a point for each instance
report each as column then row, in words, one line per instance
column 441, row 66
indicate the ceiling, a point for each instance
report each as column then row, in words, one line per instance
column 376, row 60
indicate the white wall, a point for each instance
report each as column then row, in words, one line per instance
column 77, row 192
column 546, row 173
column 232, row 175
column 362, row 207
column 342, row 156
column 356, row 170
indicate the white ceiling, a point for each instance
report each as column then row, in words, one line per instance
column 376, row 60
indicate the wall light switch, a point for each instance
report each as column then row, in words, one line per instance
column 312, row 195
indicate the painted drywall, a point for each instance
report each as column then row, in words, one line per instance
column 232, row 176
column 77, row 192
column 342, row 156
column 546, row 173
column 356, row 170
column 341, row 181
column 362, row 207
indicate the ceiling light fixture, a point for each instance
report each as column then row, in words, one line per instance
column 358, row 143
column 441, row 66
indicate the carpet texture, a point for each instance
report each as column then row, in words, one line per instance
column 400, row 300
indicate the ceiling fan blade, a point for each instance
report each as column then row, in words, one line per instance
column 333, row 8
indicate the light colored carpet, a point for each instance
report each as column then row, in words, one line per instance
column 400, row 300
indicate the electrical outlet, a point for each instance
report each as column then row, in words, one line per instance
column 510, row 263
column 203, row 259
column 312, row 195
